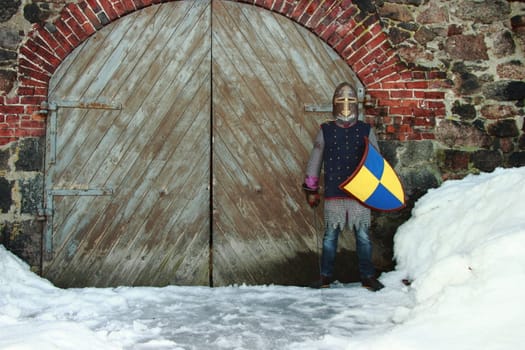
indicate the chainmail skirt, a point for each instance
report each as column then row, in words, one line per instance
column 341, row 212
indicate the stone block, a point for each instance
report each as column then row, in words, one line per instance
column 8, row 9
column 486, row 160
column 467, row 83
column 455, row 161
column 31, row 154
column 465, row 111
column 397, row 12
column 414, row 153
column 483, row 11
column 466, row 47
column 503, row 128
column 24, row 240
column 498, row 111
column 456, row 134
column 6, row 197
column 504, row 44
column 418, row 181
column 517, row 159
column 32, row 194
column 512, row 71
column 505, row 90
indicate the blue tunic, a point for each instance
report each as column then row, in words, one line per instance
column 343, row 150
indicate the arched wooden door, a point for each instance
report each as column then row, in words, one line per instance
column 195, row 180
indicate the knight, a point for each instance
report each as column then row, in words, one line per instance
column 338, row 149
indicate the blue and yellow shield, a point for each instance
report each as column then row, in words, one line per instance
column 375, row 183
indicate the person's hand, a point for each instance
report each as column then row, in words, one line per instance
column 312, row 196
column 313, row 199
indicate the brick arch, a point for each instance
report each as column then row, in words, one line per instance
column 404, row 101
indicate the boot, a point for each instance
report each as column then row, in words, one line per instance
column 322, row 282
column 371, row 283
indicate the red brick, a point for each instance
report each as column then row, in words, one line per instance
column 418, row 94
column 63, row 34
column 440, row 112
column 381, row 74
column 344, row 43
column 435, row 104
column 31, row 100
column 426, row 122
column 77, row 29
column 440, row 84
column 11, row 100
column 401, row 94
column 417, row 84
column 375, row 28
column 299, row 9
column 77, row 11
column 419, row 75
column 23, row 90
column 93, row 4
column 6, row 140
column 355, row 55
column 120, row 8
column 400, row 110
column 29, row 50
column 12, row 109
column 435, row 95
column 405, row 128
column 414, row 136
column 6, row 133
column 317, row 17
column 32, row 124
column 29, row 132
column 48, row 38
column 378, row 94
column 362, row 40
column 437, row 75
column 381, row 40
column 50, row 60
column 31, row 82
column 428, row 136
column 129, row 5
column 12, row 120
column 36, row 65
column 34, row 111
column 390, row 129
column 387, row 85
column 36, row 75
column 332, row 18
column 368, row 69
column 91, row 15
column 287, row 8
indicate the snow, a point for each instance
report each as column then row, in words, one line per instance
column 463, row 248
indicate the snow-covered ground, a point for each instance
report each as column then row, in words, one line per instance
column 464, row 247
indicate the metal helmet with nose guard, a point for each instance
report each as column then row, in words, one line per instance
column 345, row 103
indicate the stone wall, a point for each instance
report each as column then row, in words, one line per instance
column 455, row 108
column 480, row 45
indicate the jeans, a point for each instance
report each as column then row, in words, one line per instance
column 363, row 248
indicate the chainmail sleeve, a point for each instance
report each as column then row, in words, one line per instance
column 373, row 139
column 313, row 169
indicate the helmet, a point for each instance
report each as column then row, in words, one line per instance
column 345, row 102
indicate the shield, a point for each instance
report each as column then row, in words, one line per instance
column 375, row 183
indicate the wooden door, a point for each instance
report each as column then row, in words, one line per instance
column 205, row 159
column 154, row 154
